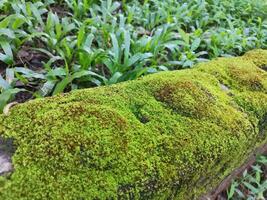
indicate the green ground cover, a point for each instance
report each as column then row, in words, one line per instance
column 158, row 137
column 49, row 47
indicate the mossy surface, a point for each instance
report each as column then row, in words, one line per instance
column 171, row 135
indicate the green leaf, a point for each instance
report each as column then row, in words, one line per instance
column 60, row 87
column 47, row 88
column 8, row 32
column 231, row 192
column 6, row 47
column 10, row 76
column 7, row 96
column 8, row 56
column 49, row 22
column 110, row 65
column 114, row 78
column 82, row 73
column 6, row 59
column 3, row 83
column 195, row 44
column 5, row 22
column 115, row 48
column 262, row 159
column 18, row 22
column 127, row 43
column 28, row 73
column 137, row 57
column 58, row 26
column 251, row 187
column 80, row 37
column 134, row 59
column 37, row 14
column 184, row 36
column 44, row 51
column 86, row 46
column 57, row 72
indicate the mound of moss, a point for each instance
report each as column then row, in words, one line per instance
column 171, row 135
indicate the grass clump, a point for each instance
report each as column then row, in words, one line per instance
column 154, row 138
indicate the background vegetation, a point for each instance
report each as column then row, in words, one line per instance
column 48, row 47
column 252, row 184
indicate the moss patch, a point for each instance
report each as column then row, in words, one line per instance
column 154, row 138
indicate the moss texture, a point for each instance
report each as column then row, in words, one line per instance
column 171, row 135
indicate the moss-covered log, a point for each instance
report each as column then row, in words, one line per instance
column 171, row 135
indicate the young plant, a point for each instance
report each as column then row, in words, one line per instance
column 121, row 63
column 8, row 88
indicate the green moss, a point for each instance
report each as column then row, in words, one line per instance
column 154, row 138
column 259, row 57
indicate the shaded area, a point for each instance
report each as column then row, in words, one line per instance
column 7, row 149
